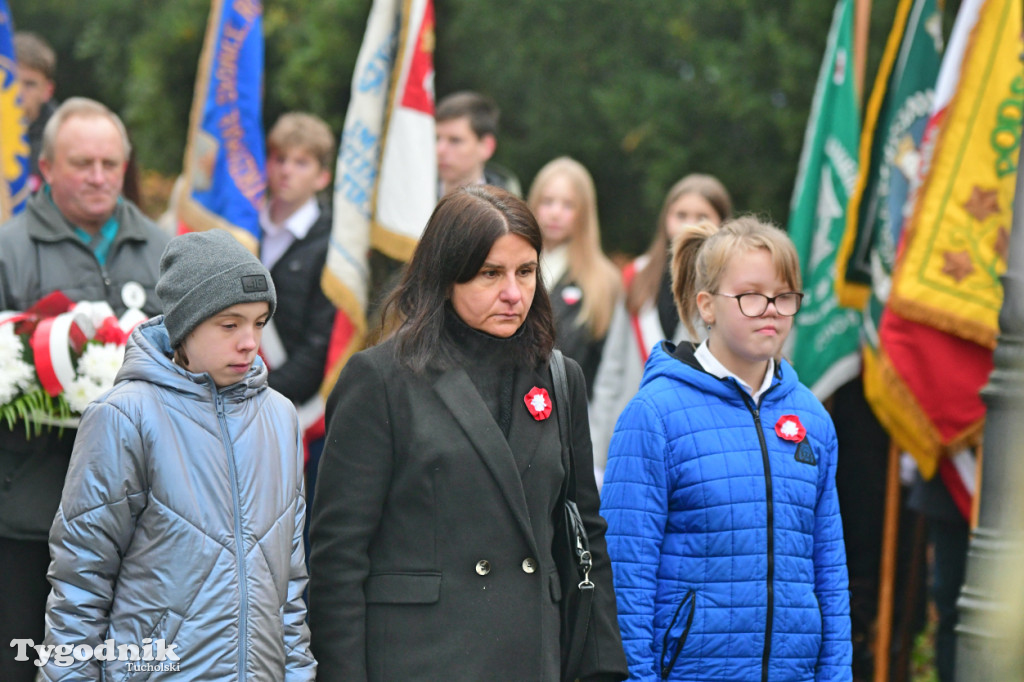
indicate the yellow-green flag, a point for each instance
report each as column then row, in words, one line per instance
column 957, row 238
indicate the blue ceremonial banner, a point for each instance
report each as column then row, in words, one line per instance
column 14, row 149
column 224, row 157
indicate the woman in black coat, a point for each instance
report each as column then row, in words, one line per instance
column 433, row 522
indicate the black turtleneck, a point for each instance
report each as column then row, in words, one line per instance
column 490, row 363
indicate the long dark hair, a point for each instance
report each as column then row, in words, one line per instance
column 459, row 235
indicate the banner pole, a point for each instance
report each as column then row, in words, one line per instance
column 861, row 29
column 887, row 578
column 979, row 456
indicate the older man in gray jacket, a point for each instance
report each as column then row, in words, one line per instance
column 79, row 236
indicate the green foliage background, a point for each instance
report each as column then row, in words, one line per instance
column 641, row 92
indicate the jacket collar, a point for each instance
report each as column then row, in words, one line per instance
column 679, row 363
column 147, row 358
column 50, row 225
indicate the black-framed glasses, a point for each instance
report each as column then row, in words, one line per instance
column 753, row 304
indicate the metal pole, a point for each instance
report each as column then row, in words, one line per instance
column 990, row 633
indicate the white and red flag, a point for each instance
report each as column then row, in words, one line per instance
column 386, row 179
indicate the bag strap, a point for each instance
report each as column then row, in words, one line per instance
column 564, row 416
column 586, row 587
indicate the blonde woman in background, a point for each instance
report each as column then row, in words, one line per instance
column 583, row 283
column 648, row 313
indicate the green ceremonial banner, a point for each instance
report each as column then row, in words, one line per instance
column 892, row 146
column 890, row 153
column 825, row 340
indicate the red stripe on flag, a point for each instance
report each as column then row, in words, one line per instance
column 955, row 485
column 341, row 338
column 344, row 342
column 943, row 372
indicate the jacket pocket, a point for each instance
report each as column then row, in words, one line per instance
column 686, row 609
column 821, row 623
column 165, row 629
column 555, row 586
column 403, row 588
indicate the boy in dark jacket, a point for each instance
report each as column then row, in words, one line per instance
column 296, row 229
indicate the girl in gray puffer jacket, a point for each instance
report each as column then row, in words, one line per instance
column 177, row 549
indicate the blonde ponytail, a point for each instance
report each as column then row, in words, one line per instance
column 686, row 249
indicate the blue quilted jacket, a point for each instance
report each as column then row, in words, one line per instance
column 725, row 537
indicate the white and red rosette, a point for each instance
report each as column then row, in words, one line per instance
column 538, row 402
column 572, row 294
column 789, row 428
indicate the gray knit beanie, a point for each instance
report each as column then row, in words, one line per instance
column 202, row 273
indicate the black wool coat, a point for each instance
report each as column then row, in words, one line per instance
column 432, row 534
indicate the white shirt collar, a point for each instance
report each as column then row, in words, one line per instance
column 298, row 224
column 712, row 366
column 554, row 263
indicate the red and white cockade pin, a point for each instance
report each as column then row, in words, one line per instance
column 572, row 294
column 789, row 428
column 538, row 402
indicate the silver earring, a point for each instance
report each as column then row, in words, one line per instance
column 708, row 326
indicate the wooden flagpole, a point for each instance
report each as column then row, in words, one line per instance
column 861, row 26
column 887, row 578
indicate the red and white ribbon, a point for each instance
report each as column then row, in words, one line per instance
column 51, row 347
column 12, row 317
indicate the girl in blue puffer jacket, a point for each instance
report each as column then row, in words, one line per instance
column 723, row 521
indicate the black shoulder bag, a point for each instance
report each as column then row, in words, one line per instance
column 571, row 547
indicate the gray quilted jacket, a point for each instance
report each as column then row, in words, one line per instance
column 181, row 520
